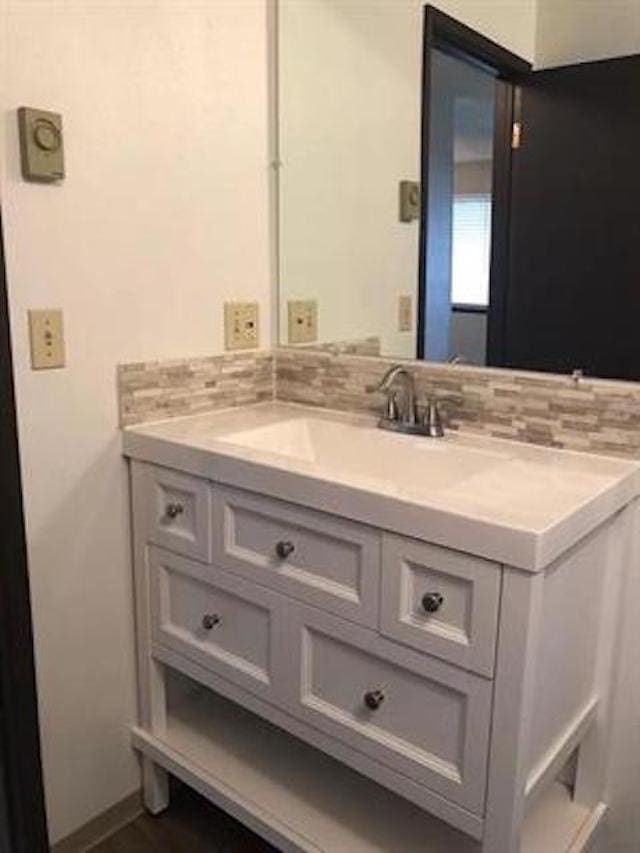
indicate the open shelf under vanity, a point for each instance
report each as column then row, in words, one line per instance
column 299, row 798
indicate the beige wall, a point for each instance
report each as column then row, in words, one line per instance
column 163, row 215
column 581, row 30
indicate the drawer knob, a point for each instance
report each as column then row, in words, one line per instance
column 285, row 549
column 210, row 620
column 173, row 510
column 432, row 601
column 373, row 699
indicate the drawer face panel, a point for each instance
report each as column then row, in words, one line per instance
column 317, row 558
column 177, row 511
column 442, row 602
column 415, row 714
column 227, row 626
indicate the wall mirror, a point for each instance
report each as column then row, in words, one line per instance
column 459, row 188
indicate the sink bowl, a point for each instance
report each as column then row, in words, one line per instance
column 367, row 452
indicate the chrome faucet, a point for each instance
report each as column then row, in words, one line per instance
column 400, row 408
column 401, row 411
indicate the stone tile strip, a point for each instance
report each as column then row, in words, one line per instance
column 597, row 416
column 151, row 391
column 365, row 346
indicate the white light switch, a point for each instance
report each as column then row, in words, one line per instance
column 46, row 330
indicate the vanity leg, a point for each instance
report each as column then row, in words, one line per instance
column 155, row 786
column 513, row 701
column 152, row 700
column 155, row 779
column 591, row 769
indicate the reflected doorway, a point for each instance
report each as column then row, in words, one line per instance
column 459, row 201
column 468, row 113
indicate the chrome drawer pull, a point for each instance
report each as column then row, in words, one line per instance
column 173, row 510
column 285, row 549
column 210, row 620
column 432, row 601
column 373, row 699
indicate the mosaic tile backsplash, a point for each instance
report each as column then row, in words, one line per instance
column 364, row 346
column 155, row 390
column 593, row 415
column 596, row 416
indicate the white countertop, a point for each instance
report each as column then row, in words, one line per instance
column 514, row 503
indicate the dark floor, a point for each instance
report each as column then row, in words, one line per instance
column 190, row 825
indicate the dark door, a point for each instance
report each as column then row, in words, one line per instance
column 573, row 295
column 22, row 814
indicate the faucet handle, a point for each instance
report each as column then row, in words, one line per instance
column 431, row 417
column 391, row 411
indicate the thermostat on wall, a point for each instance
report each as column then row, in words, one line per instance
column 41, row 149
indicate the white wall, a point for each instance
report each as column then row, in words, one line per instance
column 350, row 99
column 163, row 215
column 582, row 30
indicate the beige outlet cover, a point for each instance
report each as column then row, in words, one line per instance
column 405, row 312
column 46, row 333
column 241, row 325
column 302, row 321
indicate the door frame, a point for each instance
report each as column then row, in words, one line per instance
column 19, row 730
column 441, row 32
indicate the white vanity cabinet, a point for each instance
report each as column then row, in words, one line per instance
column 341, row 685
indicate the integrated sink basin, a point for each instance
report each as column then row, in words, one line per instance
column 366, row 452
column 508, row 501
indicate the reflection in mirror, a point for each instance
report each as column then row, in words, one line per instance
column 460, row 166
column 349, row 133
column 440, row 199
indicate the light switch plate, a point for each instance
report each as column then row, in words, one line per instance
column 409, row 201
column 241, row 325
column 405, row 312
column 303, row 321
column 46, row 332
column 41, row 145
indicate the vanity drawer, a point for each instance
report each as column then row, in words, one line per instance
column 417, row 715
column 176, row 509
column 228, row 626
column 318, row 558
column 440, row 601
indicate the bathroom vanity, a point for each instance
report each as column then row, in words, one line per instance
column 354, row 640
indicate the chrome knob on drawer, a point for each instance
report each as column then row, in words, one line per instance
column 373, row 699
column 285, row 549
column 432, row 601
column 210, row 620
column 173, row 510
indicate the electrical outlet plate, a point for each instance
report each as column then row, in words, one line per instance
column 46, row 332
column 409, row 201
column 405, row 312
column 303, row 321
column 241, row 325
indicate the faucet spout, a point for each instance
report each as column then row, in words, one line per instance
column 406, row 407
column 401, row 412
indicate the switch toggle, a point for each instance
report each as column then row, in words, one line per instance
column 46, row 331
